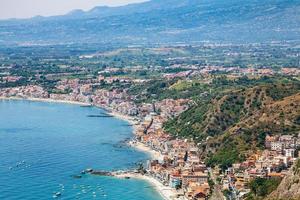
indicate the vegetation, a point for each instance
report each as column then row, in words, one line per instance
column 296, row 168
column 261, row 187
column 234, row 118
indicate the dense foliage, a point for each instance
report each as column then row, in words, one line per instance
column 261, row 187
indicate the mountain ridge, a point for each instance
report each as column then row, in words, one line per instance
column 169, row 21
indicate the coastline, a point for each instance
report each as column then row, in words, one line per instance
column 129, row 119
column 155, row 155
column 48, row 100
column 167, row 193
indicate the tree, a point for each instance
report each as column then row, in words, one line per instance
column 261, row 187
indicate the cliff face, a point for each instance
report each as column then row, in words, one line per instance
column 289, row 188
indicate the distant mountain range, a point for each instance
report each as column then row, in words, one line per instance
column 163, row 21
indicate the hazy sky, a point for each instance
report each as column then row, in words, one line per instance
column 30, row 8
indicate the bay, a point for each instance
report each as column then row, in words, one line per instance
column 43, row 145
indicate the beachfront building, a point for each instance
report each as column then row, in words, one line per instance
column 175, row 181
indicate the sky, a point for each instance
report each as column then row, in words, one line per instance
column 30, row 8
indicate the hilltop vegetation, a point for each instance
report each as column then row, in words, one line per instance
column 261, row 187
column 235, row 119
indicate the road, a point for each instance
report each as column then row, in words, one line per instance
column 217, row 191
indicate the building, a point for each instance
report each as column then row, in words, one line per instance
column 269, row 139
column 289, row 152
column 198, row 177
column 175, row 181
column 276, row 146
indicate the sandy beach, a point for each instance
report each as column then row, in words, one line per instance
column 46, row 100
column 155, row 155
column 129, row 119
column 166, row 192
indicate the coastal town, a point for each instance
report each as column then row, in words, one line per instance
column 150, row 99
column 177, row 164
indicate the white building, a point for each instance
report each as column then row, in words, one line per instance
column 289, row 152
column 276, row 146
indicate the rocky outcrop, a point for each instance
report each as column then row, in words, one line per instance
column 289, row 188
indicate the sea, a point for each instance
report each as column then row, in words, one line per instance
column 44, row 147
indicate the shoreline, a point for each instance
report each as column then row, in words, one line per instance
column 154, row 155
column 167, row 193
column 129, row 119
column 48, row 100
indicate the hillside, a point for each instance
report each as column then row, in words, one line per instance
column 163, row 21
column 236, row 121
column 289, row 188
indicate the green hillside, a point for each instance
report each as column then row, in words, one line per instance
column 235, row 120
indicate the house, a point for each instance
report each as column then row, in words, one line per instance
column 276, row 146
column 198, row 177
column 269, row 139
column 196, row 191
column 289, row 152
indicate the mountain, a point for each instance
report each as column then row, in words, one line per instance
column 163, row 21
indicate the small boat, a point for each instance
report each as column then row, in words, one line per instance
column 56, row 195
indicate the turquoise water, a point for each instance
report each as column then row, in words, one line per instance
column 42, row 145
